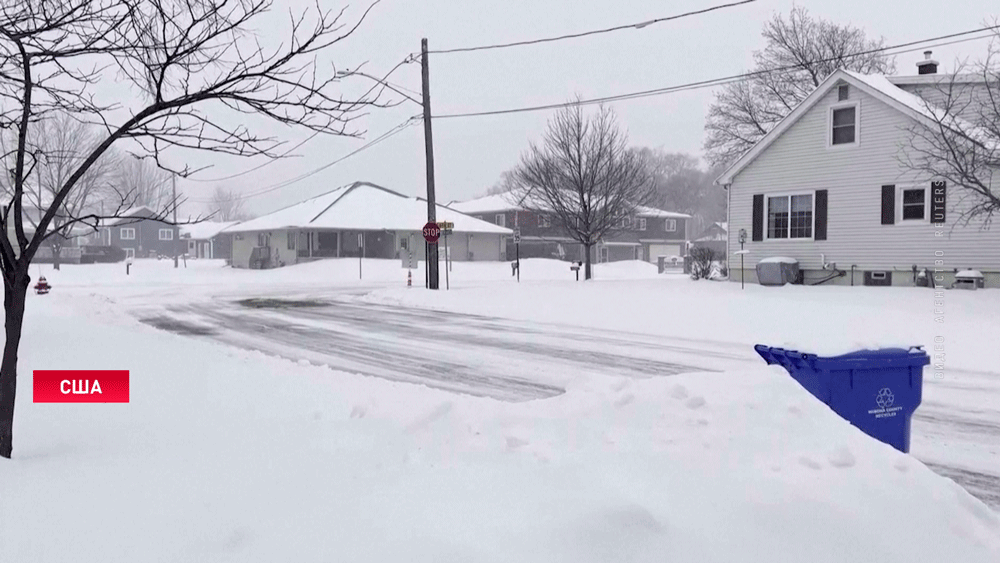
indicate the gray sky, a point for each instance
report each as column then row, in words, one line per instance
column 470, row 153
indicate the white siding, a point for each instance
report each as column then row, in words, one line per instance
column 484, row 247
column 800, row 160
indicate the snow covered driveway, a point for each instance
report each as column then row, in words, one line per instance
column 474, row 354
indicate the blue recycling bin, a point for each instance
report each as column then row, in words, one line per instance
column 875, row 390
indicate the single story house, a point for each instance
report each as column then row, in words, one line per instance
column 828, row 188
column 360, row 219
column 206, row 239
column 141, row 235
column 646, row 235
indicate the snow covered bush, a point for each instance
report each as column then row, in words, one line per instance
column 702, row 261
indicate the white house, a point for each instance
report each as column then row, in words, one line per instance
column 360, row 219
column 828, row 188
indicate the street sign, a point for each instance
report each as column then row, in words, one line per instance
column 517, row 236
column 446, row 225
column 432, row 232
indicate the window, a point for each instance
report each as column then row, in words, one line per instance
column 166, row 234
column 914, row 203
column 261, row 239
column 844, row 124
column 544, row 221
column 291, row 236
column 626, row 222
column 501, row 220
column 129, row 253
column 670, row 225
column 127, row 233
column 790, row 216
column 404, row 243
column 843, row 92
column 642, row 223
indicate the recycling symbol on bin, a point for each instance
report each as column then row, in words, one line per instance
column 884, row 399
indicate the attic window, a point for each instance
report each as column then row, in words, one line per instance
column 844, row 125
column 843, row 92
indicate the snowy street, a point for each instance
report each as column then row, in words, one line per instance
column 517, row 360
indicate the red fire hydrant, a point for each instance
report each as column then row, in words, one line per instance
column 42, row 287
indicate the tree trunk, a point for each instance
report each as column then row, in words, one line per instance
column 14, row 307
column 586, row 261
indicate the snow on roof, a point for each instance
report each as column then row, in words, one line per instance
column 363, row 206
column 509, row 201
column 127, row 214
column 205, row 229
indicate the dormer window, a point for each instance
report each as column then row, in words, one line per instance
column 844, row 124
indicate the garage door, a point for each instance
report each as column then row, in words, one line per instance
column 667, row 250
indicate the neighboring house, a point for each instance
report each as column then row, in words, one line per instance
column 141, row 236
column 206, row 240
column 645, row 236
column 713, row 237
column 387, row 224
column 69, row 253
column 827, row 188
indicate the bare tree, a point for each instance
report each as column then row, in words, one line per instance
column 60, row 142
column 506, row 183
column 227, row 205
column 193, row 62
column 810, row 49
column 683, row 185
column 140, row 182
column 960, row 143
column 585, row 176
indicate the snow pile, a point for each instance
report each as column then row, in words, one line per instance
column 225, row 455
column 779, row 260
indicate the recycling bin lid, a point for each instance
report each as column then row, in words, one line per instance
column 880, row 357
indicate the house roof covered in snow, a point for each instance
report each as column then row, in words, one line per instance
column 363, row 206
column 876, row 85
column 509, row 201
column 205, row 229
column 129, row 215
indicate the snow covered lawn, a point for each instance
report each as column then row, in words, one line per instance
column 227, row 455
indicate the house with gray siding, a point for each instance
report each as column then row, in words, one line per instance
column 645, row 235
column 828, row 187
column 141, row 235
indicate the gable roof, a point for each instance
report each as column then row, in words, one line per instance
column 129, row 216
column 205, row 229
column 877, row 86
column 363, row 206
column 508, row 201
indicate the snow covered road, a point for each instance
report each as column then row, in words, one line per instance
column 515, row 360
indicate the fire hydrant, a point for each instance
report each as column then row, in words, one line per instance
column 42, row 287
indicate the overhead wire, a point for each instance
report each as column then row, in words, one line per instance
column 723, row 80
column 638, row 25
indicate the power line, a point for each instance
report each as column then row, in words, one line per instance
column 723, row 80
column 285, row 183
column 383, row 81
column 639, row 25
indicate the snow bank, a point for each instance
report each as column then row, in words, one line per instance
column 225, row 455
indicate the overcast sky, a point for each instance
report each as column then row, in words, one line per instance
column 470, row 153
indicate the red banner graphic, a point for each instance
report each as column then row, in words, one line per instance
column 80, row 386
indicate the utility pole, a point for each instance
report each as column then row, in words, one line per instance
column 173, row 182
column 432, row 249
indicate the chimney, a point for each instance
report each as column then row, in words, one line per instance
column 928, row 65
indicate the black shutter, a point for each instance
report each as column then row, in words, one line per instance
column 939, row 201
column 758, row 217
column 888, row 205
column 820, row 233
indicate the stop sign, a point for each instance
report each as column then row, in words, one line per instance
column 432, row 232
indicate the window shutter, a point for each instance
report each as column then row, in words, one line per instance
column 939, row 201
column 820, row 233
column 758, row 217
column 888, row 205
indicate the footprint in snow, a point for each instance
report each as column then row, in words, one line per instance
column 624, row 400
column 811, row 464
column 902, row 464
column 795, row 410
column 358, row 412
column 695, row 403
column 513, row 443
column 679, row 392
column 841, row 457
